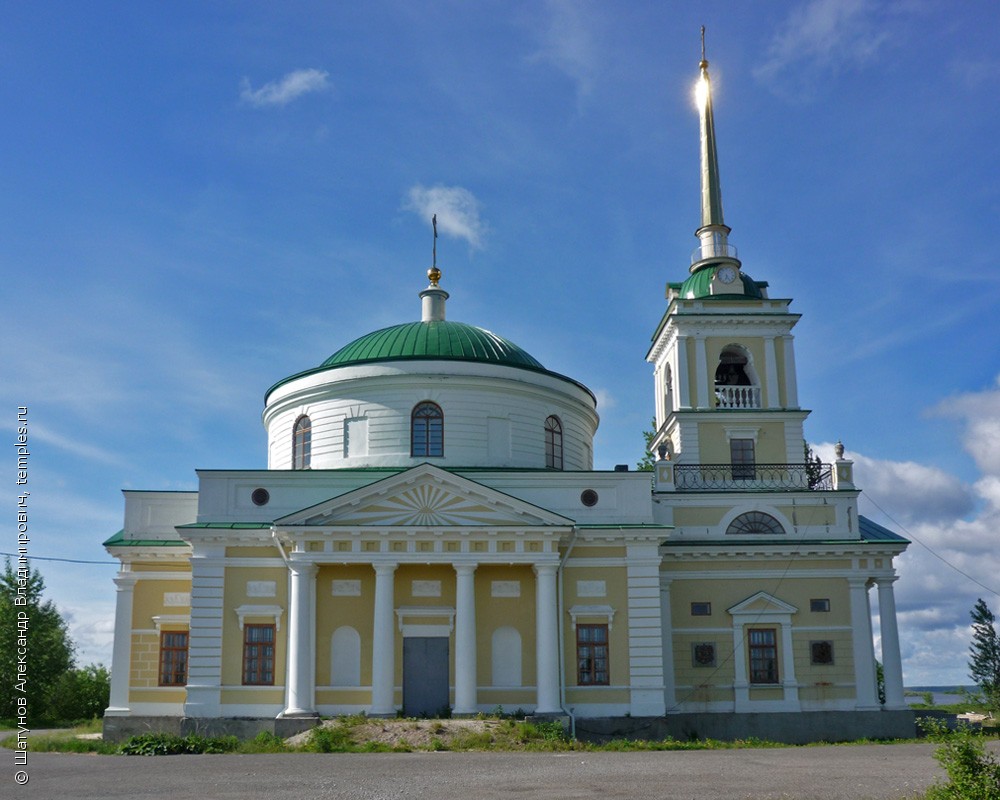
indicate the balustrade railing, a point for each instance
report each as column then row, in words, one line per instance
column 753, row 477
column 737, row 396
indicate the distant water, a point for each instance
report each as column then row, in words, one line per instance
column 943, row 695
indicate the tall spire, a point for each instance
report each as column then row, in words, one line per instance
column 713, row 231
column 711, row 191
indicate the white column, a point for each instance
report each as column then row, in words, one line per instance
column 465, row 639
column 121, row 657
column 771, row 371
column 208, row 576
column 682, row 379
column 384, row 644
column 301, row 678
column 667, row 628
column 791, row 381
column 892, row 664
column 546, row 640
column 864, row 652
column 705, row 389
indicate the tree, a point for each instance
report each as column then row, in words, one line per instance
column 648, row 460
column 814, row 467
column 880, row 682
column 81, row 694
column 45, row 647
column 984, row 652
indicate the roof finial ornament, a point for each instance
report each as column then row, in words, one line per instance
column 434, row 273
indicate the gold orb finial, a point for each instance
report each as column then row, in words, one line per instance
column 435, row 275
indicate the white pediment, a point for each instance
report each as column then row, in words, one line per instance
column 425, row 496
column 762, row 603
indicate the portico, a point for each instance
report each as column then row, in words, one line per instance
column 421, row 581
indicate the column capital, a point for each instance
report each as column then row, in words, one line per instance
column 545, row 568
column 465, row 568
column 306, row 569
column 858, row 581
column 384, row 567
column 126, row 582
column 885, row 580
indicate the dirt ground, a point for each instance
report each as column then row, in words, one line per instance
column 414, row 733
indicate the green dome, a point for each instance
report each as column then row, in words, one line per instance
column 438, row 339
column 698, row 285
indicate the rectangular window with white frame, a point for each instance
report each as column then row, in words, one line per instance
column 763, row 649
column 743, row 459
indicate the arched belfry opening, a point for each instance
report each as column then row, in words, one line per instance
column 736, row 383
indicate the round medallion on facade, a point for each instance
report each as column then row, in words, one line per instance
column 588, row 497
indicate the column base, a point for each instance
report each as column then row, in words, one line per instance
column 298, row 713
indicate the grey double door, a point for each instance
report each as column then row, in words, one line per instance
column 425, row 676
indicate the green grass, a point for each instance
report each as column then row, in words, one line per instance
column 505, row 734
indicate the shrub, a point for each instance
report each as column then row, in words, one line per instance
column 973, row 774
column 169, row 744
column 336, row 739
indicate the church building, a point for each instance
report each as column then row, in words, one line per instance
column 430, row 537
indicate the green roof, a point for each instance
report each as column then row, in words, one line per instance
column 435, row 340
column 873, row 532
column 439, row 339
column 699, row 285
column 119, row 540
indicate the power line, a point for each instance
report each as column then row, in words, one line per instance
column 930, row 549
column 64, row 560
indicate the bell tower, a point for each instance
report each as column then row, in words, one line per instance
column 723, row 356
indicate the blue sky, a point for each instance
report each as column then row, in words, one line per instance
column 200, row 199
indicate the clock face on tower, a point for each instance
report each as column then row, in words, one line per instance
column 726, row 274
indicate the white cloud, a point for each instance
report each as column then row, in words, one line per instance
column 821, row 37
column 980, row 412
column 288, row 88
column 605, row 400
column 77, row 447
column 955, row 530
column 457, row 211
column 567, row 43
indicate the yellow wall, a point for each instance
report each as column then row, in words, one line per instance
column 770, row 447
column 235, row 595
column 334, row 612
column 147, row 601
column 497, row 612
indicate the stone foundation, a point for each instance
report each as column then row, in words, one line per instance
column 789, row 728
column 118, row 729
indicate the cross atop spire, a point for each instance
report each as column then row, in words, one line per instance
column 434, row 273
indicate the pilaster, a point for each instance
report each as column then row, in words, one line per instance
column 204, row 686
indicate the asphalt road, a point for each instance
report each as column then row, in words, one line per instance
column 856, row 772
